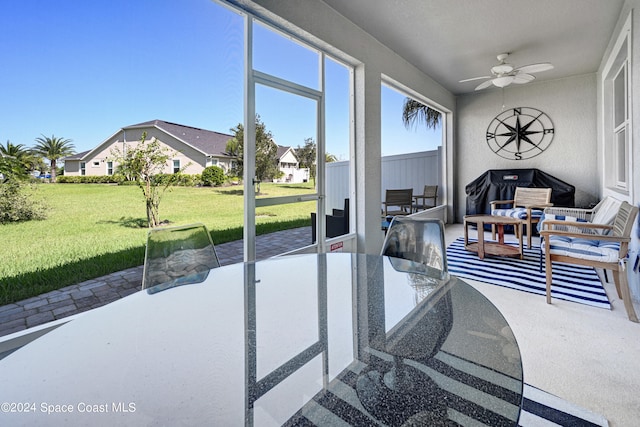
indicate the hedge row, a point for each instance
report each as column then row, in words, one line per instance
column 184, row 180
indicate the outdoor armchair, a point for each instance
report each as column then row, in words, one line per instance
column 401, row 200
column 591, row 247
column 428, row 199
column 527, row 205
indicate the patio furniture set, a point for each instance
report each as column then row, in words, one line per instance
column 597, row 237
column 401, row 202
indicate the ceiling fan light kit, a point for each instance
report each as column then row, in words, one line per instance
column 504, row 73
column 503, row 81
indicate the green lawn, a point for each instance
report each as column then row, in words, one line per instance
column 96, row 229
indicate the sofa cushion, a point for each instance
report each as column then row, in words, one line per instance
column 520, row 213
column 593, row 250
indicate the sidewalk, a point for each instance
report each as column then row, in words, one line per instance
column 103, row 290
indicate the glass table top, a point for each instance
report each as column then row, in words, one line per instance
column 332, row 339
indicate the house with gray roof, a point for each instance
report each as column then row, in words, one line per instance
column 290, row 166
column 194, row 149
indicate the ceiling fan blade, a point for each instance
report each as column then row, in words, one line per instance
column 535, row 68
column 484, row 85
column 522, row 78
column 474, row 78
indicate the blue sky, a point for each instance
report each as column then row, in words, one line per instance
column 82, row 70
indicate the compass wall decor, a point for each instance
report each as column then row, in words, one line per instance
column 520, row 133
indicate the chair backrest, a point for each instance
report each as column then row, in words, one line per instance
column 420, row 240
column 430, row 191
column 606, row 211
column 623, row 223
column 403, row 197
column 177, row 256
column 525, row 196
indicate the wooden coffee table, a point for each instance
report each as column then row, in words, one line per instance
column 498, row 248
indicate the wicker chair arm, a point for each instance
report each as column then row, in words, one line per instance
column 548, row 224
column 575, row 212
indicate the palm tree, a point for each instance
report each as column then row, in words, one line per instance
column 328, row 158
column 12, row 150
column 53, row 149
column 18, row 157
column 414, row 112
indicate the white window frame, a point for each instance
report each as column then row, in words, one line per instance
column 616, row 156
column 173, row 166
column 109, row 168
column 83, row 168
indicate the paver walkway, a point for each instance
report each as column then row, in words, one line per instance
column 103, row 290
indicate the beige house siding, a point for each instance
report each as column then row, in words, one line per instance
column 191, row 160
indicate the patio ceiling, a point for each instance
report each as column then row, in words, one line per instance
column 458, row 39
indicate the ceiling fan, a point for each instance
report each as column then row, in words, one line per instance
column 504, row 73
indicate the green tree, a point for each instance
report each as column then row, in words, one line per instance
column 414, row 112
column 266, row 151
column 307, row 157
column 10, row 169
column 53, row 149
column 22, row 160
column 329, row 158
column 145, row 164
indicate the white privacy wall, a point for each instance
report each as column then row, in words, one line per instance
column 571, row 157
column 411, row 170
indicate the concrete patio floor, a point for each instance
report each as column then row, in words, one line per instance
column 588, row 356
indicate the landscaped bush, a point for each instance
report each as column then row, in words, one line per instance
column 16, row 204
column 91, row 179
column 180, row 179
column 213, row 176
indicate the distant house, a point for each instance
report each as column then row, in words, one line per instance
column 288, row 163
column 195, row 148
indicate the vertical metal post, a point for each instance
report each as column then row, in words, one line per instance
column 249, row 156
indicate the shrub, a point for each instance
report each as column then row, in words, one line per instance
column 213, row 176
column 18, row 205
column 90, row 179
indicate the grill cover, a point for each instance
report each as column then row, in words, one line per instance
column 500, row 184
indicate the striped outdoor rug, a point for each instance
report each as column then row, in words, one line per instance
column 570, row 282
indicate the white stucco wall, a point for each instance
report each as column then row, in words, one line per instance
column 571, row 157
